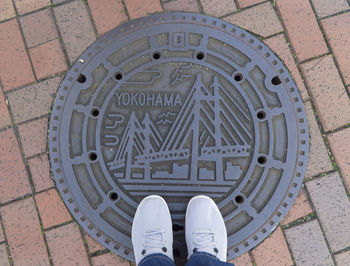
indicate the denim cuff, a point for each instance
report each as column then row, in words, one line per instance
column 157, row 256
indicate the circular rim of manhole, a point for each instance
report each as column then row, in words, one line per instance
column 228, row 90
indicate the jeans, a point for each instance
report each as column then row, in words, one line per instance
column 197, row 259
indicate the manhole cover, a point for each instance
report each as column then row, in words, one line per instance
column 178, row 105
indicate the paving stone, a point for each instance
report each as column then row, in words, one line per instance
column 218, row 7
column 51, row 208
column 93, row 245
column 34, row 100
column 342, row 259
column 48, row 59
column 107, row 14
column 23, row 233
column 279, row 45
column 182, row 5
column 7, row 10
column 319, row 161
column 33, row 136
column 14, row 179
column 4, row 261
column 26, row 6
column 326, row 8
column 340, row 145
column 75, row 27
column 260, row 19
column 247, row 3
column 5, row 119
column 301, row 208
column 40, row 170
column 66, row 245
column 308, row 245
column 338, row 35
column 138, row 8
column 15, row 69
column 109, row 259
column 333, row 210
column 38, row 28
column 302, row 28
column 328, row 92
column 273, row 250
column 242, row 260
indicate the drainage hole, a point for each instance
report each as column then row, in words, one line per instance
column 176, row 252
column 118, row 76
column 262, row 159
column 113, row 196
column 92, row 156
column 238, row 77
column 81, row 78
column 200, row 55
column 177, row 228
column 156, row 55
column 239, row 199
column 95, row 112
column 276, row 80
column 261, row 115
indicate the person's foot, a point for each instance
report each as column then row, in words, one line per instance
column 152, row 228
column 205, row 228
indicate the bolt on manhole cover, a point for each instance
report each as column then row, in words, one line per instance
column 178, row 105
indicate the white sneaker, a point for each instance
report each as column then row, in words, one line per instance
column 205, row 228
column 152, row 229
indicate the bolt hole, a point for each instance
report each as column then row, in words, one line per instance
column 177, row 228
column 95, row 112
column 176, row 253
column 238, row 77
column 118, row 76
column 262, row 159
column 92, row 156
column 261, row 115
column 113, row 196
column 239, row 199
column 276, row 80
column 156, row 55
column 200, row 55
column 81, row 78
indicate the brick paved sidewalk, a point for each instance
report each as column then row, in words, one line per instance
column 39, row 41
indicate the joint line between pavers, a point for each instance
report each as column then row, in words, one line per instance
column 97, row 35
column 289, row 249
column 36, row 82
column 335, row 14
column 329, row 47
column 238, row 10
column 24, row 39
column 85, row 244
column 20, row 146
column 60, row 39
column 200, row 7
column 42, row 231
column 319, row 223
column 125, row 10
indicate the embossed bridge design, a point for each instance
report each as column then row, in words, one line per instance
column 178, row 105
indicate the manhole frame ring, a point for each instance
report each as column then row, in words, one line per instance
column 276, row 63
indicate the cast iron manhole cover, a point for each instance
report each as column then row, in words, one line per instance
column 178, row 105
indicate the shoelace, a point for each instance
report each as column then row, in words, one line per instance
column 154, row 242
column 204, row 242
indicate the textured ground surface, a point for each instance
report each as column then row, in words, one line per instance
column 39, row 40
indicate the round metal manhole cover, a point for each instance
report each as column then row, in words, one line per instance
column 178, row 105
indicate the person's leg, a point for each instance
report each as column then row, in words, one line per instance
column 151, row 233
column 206, row 235
column 205, row 259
